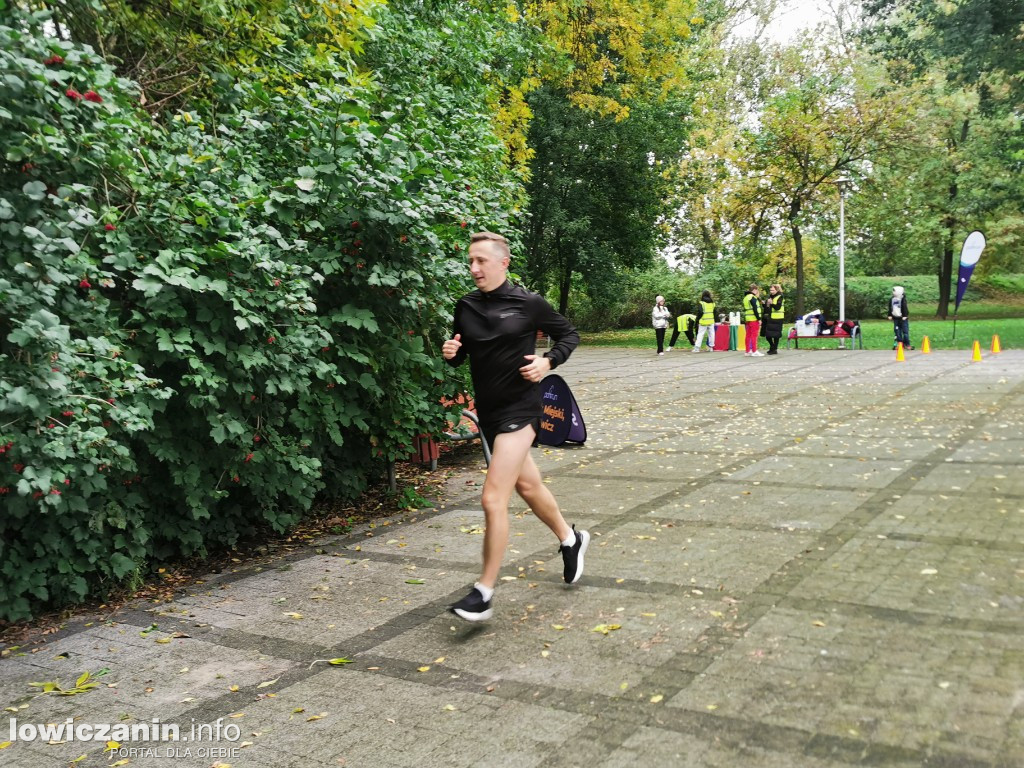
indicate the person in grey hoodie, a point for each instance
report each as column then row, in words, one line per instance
column 900, row 317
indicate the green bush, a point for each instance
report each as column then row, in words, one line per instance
column 998, row 286
column 72, row 397
column 206, row 324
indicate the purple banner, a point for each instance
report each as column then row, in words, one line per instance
column 561, row 420
column 969, row 255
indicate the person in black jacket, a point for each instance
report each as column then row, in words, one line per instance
column 900, row 316
column 773, row 317
column 496, row 327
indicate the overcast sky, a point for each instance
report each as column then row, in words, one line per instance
column 791, row 17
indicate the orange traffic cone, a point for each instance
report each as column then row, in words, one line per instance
column 926, row 346
column 996, row 349
column 976, row 357
column 899, row 352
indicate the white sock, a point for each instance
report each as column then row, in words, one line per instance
column 487, row 592
column 571, row 541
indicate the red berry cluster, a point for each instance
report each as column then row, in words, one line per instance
column 54, row 60
column 92, row 96
column 5, row 448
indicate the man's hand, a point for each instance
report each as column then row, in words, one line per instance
column 451, row 347
column 536, row 368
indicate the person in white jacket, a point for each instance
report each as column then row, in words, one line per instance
column 659, row 319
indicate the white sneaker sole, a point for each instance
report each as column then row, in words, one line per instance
column 585, row 536
column 473, row 616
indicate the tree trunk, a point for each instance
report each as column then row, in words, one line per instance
column 798, row 245
column 565, row 263
column 946, row 268
column 563, row 291
column 951, row 222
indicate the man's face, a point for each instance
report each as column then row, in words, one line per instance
column 486, row 265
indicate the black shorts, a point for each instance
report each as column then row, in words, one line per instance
column 512, row 423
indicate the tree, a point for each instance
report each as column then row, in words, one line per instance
column 597, row 191
column 966, row 56
column 978, row 39
column 823, row 113
column 606, row 123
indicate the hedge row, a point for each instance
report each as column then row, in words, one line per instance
column 206, row 325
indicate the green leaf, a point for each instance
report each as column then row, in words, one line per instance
column 34, row 190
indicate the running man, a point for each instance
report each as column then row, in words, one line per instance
column 496, row 326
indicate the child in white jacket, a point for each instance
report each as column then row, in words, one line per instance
column 659, row 319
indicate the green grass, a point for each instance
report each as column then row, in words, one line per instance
column 877, row 334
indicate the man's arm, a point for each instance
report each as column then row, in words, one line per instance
column 460, row 350
column 558, row 328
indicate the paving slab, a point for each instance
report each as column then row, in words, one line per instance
column 813, row 560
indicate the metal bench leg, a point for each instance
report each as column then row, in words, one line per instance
column 483, row 440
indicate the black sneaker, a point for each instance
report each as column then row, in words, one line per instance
column 473, row 607
column 572, row 556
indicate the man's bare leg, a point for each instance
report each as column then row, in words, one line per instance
column 531, row 488
column 508, row 455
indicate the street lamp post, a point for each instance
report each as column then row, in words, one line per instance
column 843, row 184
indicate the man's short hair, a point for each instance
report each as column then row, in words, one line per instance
column 498, row 243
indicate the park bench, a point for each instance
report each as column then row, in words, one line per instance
column 834, row 333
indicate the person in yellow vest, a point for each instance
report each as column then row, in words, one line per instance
column 752, row 320
column 686, row 325
column 705, row 321
column 774, row 314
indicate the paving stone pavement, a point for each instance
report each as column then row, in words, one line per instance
column 811, row 560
